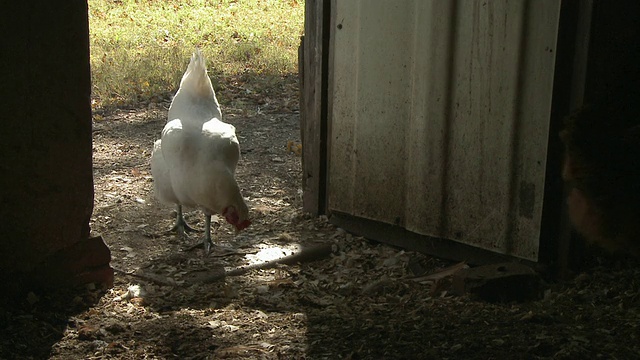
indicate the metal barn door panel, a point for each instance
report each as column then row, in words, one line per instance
column 439, row 117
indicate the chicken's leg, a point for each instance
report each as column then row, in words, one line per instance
column 209, row 246
column 206, row 242
column 181, row 226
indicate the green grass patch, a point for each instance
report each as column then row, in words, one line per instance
column 140, row 48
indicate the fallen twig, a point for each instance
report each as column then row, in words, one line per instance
column 160, row 280
column 441, row 273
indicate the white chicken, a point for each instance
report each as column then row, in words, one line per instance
column 194, row 162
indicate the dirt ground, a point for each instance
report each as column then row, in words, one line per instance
column 359, row 302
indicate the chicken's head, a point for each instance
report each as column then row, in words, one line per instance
column 239, row 219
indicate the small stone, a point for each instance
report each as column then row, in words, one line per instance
column 32, row 298
column 115, row 327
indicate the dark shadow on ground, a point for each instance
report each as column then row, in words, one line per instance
column 32, row 322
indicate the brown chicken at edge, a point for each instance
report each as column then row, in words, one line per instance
column 602, row 169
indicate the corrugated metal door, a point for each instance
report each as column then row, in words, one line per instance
column 439, row 117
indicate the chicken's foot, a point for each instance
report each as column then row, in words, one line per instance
column 181, row 227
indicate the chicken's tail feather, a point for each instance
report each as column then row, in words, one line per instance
column 196, row 81
column 197, row 63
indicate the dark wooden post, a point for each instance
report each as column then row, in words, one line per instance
column 46, row 188
column 314, row 68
